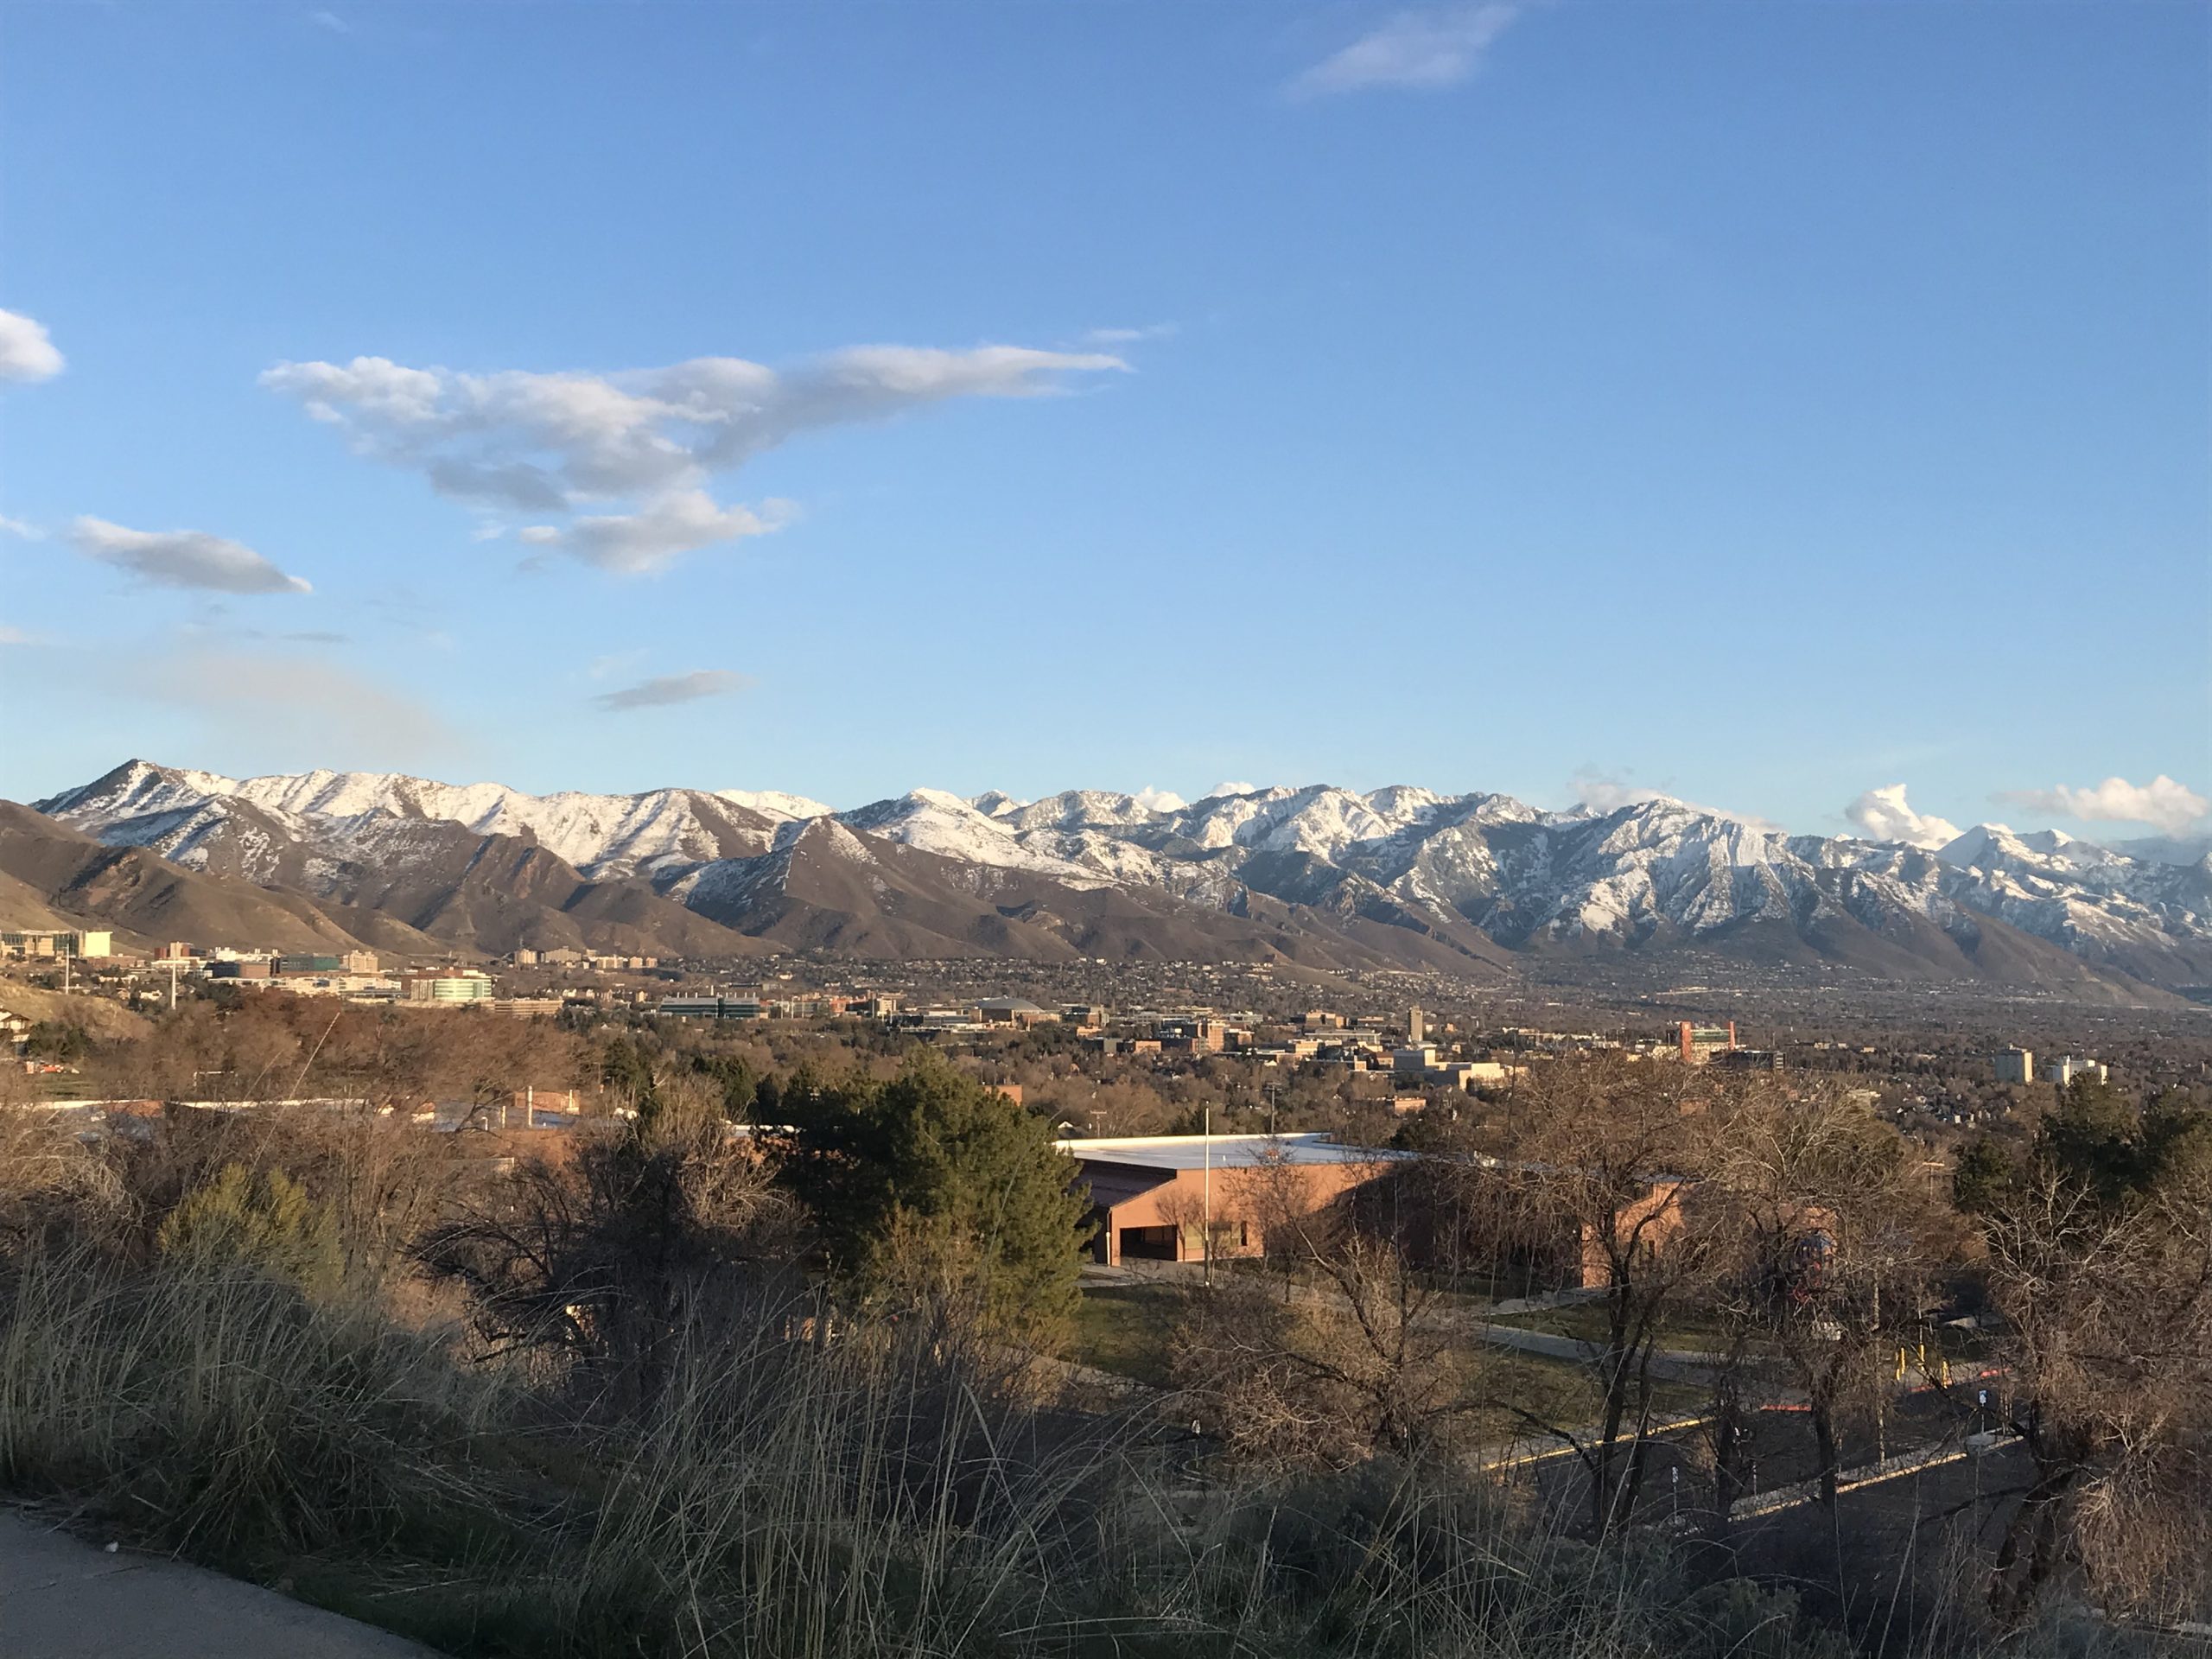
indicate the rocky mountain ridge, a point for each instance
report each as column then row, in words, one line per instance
column 1319, row 873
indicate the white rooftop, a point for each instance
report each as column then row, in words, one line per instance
column 1225, row 1151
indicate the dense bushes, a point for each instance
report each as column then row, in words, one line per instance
column 266, row 1223
column 876, row 1497
column 684, row 1391
column 213, row 1407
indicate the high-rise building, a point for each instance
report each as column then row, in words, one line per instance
column 449, row 986
column 1699, row 1044
column 1416, row 1026
column 59, row 942
column 2063, row 1070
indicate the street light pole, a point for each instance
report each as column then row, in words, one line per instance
column 1206, row 1124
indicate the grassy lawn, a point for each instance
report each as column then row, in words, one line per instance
column 1125, row 1329
column 1552, row 1391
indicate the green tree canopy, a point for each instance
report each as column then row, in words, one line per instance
column 49, row 1040
column 2095, row 1143
column 268, row 1223
column 730, row 1074
column 934, row 1182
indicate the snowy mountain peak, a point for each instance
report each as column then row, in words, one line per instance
column 1465, row 874
column 1971, row 843
column 942, row 798
column 773, row 804
column 600, row 835
column 937, row 820
column 1075, row 809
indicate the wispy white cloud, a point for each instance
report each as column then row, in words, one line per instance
column 11, row 635
column 331, row 20
column 1602, row 792
column 614, row 662
column 680, row 522
column 1231, row 788
column 1884, row 814
column 673, row 688
column 19, row 530
column 26, row 352
column 1130, row 336
column 632, row 454
column 2171, row 807
column 183, row 558
column 212, row 628
column 1426, row 48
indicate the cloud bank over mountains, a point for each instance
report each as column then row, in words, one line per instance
column 2171, row 807
column 1884, row 814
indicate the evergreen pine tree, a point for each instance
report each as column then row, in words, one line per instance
column 935, row 1181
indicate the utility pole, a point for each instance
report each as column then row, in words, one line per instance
column 1881, row 1425
column 1206, row 1123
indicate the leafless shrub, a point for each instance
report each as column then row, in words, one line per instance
column 645, row 1229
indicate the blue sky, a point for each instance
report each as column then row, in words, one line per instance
column 1764, row 404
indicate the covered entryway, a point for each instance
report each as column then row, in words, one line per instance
column 1150, row 1244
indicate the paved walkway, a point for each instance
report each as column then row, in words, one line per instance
column 1679, row 1364
column 63, row 1598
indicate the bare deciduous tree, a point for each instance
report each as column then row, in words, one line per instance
column 650, row 1230
column 2098, row 1246
column 1600, row 1157
column 1359, row 1353
column 1821, row 1240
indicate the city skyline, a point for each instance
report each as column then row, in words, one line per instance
column 1573, row 402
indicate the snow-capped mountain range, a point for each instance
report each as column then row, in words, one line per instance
column 1402, row 870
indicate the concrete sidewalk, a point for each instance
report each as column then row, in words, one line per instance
column 1675, row 1365
column 63, row 1598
